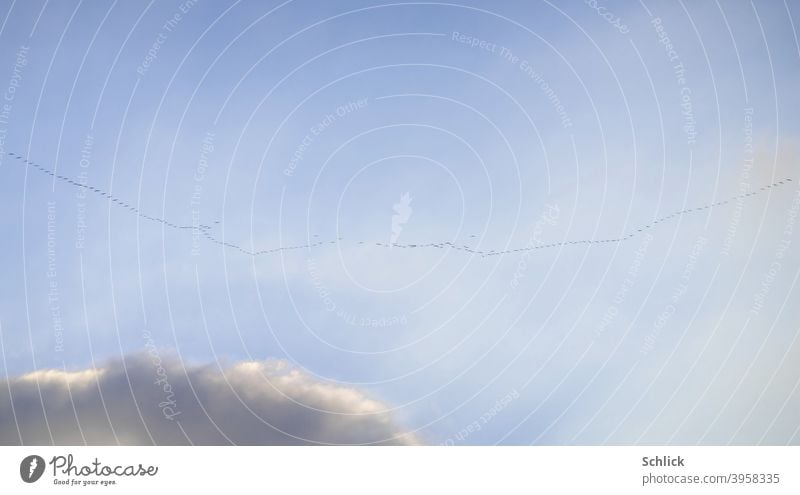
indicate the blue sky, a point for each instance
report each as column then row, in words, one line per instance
column 510, row 126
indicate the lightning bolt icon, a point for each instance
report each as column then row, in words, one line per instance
column 32, row 467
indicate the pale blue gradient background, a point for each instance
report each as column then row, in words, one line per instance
column 482, row 151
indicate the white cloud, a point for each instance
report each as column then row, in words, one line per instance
column 146, row 399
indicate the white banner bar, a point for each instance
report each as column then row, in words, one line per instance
column 402, row 470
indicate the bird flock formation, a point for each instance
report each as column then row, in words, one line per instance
column 207, row 231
